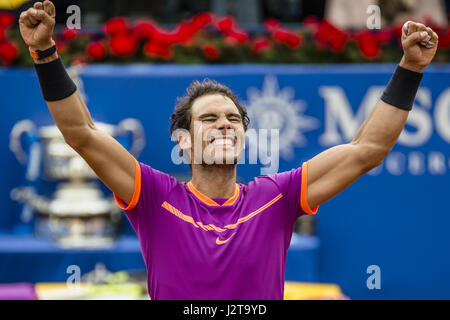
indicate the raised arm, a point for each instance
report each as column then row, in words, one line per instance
column 333, row 170
column 112, row 163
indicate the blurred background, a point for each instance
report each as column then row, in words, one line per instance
column 311, row 69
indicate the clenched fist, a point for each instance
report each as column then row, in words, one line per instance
column 419, row 46
column 37, row 24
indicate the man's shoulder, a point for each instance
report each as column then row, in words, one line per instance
column 279, row 180
column 161, row 180
column 261, row 183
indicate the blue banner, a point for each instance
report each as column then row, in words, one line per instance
column 386, row 236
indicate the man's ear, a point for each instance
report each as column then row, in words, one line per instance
column 184, row 139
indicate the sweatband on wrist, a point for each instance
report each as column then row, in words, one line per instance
column 54, row 80
column 402, row 88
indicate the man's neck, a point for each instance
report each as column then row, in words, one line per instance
column 214, row 181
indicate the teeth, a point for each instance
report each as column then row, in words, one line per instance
column 223, row 142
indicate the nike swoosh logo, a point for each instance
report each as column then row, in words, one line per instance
column 209, row 227
column 219, row 242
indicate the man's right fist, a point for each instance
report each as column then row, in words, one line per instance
column 36, row 25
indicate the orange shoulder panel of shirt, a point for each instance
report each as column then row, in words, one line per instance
column 303, row 193
column 137, row 191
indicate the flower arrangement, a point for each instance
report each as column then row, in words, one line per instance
column 206, row 38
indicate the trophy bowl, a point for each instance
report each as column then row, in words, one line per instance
column 59, row 160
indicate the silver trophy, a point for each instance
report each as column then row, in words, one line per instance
column 78, row 214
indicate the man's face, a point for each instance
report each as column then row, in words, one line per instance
column 217, row 131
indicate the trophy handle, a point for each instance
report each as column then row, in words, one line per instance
column 135, row 127
column 21, row 127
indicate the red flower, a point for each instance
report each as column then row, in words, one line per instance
column 96, row 50
column 260, row 45
column 288, row 37
column 310, row 20
column 61, row 47
column 8, row 52
column 225, row 23
column 6, row 19
column 271, row 24
column 327, row 34
column 281, row 35
column 202, row 19
column 384, row 36
column 123, row 45
column 311, row 23
column 148, row 30
column 237, row 35
column 368, row 44
column 183, row 33
column 295, row 41
column 211, row 51
column 69, row 34
column 2, row 34
column 397, row 30
column 444, row 39
column 159, row 35
column 157, row 49
column 115, row 26
column 144, row 29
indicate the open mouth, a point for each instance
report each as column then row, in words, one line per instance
column 223, row 141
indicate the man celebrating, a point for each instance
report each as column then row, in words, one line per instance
column 212, row 238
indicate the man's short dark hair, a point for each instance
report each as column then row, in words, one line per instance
column 181, row 117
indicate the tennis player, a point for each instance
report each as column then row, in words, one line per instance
column 212, row 238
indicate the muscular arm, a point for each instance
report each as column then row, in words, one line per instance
column 112, row 163
column 109, row 160
column 335, row 169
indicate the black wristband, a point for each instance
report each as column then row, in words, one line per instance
column 54, row 80
column 402, row 88
column 41, row 54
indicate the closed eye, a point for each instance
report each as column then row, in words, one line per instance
column 234, row 117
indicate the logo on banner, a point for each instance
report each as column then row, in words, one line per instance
column 275, row 108
column 341, row 124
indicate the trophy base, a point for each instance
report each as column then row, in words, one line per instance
column 78, row 232
column 85, row 242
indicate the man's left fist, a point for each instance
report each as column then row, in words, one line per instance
column 419, row 46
